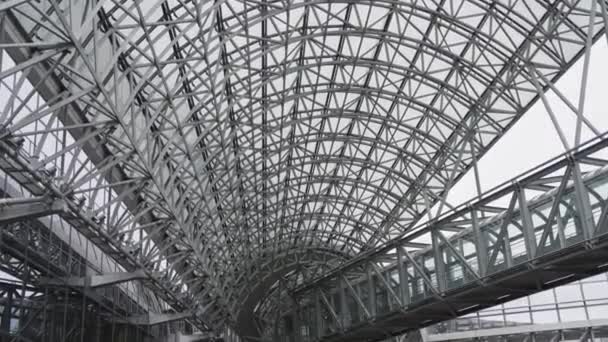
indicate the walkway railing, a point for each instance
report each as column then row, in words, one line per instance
column 545, row 228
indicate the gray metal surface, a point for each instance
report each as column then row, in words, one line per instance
column 545, row 228
column 555, row 331
column 231, row 149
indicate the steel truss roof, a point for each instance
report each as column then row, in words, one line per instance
column 221, row 141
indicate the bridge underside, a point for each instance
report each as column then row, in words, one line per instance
column 280, row 170
column 513, row 242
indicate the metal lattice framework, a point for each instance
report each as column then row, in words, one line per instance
column 221, row 144
column 544, row 228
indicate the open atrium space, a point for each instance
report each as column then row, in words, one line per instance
column 303, row 170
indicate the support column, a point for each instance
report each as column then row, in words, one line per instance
column 481, row 247
column 404, row 289
column 582, row 203
column 5, row 324
column 527, row 225
column 371, row 292
column 440, row 271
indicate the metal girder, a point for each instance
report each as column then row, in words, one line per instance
column 109, row 177
column 529, row 246
column 191, row 338
column 30, row 251
column 523, row 329
column 18, row 209
column 63, row 315
column 152, row 318
column 97, row 280
column 200, row 139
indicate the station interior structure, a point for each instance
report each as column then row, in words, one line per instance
column 303, row 170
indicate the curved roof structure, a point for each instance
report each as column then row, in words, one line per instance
column 246, row 141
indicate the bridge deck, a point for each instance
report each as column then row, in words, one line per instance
column 544, row 229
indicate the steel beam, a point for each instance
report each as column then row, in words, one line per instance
column 16, row 42
column 445, row 283
column 203, row 337
column 17, row 209
column 93, row 281
column 142, row 108
column 516, row 330
column 156, row 318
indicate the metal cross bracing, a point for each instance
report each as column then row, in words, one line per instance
column 225, row 144
column 30, row 251
column 36, row 253
column 41, row 252
column 538, row 231
column 23, row 165
column 574, row 306
column 56, row 243
column 34, row 314
column 559, row 332
column 18, row 169
column 581, row 330
column 33, row 250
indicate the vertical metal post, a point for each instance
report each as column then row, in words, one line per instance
column 371, row 291
column 48, row 314
column 404, row 289
column 83, row 306
column 582, row 203
column 560, row 229
column 318, row 319
column 527, row 225
column 98, row 325
column 23, row 322
column 297, row 329
column 507, row 248
column 5, row 325
column 481, row 247
column 64, row 327
column 343, row 305
column 440, row 272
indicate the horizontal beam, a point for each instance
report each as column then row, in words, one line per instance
column 514, row 330
column 528, row 247
column 13, row 210
column 16, row 41
column 156, row 318
column 204, row 337
column 98, row 280
column 577, row 155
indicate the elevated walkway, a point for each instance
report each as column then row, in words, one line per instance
column 546, row 228
column 576, row 330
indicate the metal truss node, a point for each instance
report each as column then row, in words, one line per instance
column 282, row 170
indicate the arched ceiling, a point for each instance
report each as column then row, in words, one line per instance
column 255, row 128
